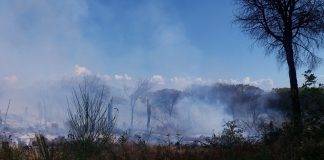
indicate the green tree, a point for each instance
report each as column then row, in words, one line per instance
column 310, row 79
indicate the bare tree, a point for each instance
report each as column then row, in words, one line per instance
column 91, row 114
column 291, row 28
column 141, row 91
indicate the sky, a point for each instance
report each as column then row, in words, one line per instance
column 169, row 41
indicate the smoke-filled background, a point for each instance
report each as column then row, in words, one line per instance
column 187, row 48
column 193, row 109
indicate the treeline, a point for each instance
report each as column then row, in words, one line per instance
column 92, row 126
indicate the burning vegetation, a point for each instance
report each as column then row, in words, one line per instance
column 201, row 122
column 257, row 127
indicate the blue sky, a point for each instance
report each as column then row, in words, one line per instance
column 168, row 39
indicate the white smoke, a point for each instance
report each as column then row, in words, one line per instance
column 81, row 71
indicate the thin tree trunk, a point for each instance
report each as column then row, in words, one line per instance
column 110, row 114
column 132, row 113
column 296, row 109
column 148, row 114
